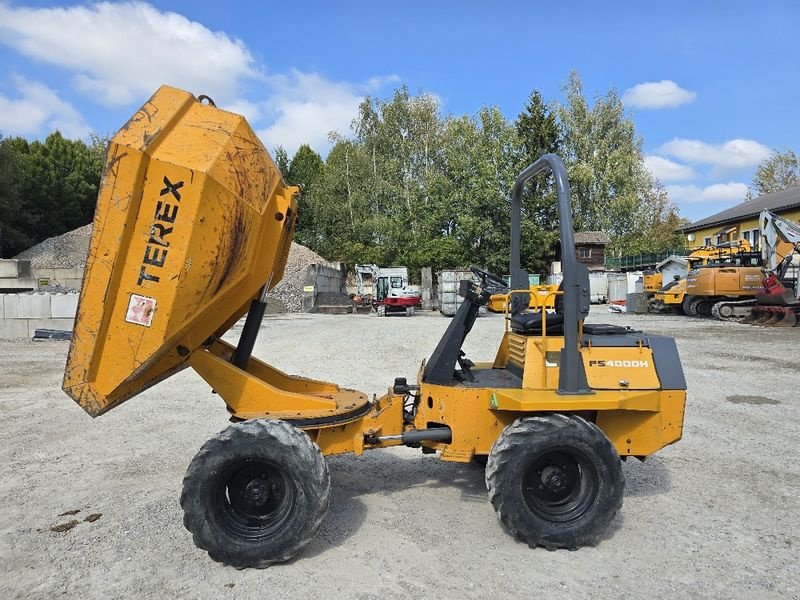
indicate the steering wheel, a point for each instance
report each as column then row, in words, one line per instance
column 489, row 278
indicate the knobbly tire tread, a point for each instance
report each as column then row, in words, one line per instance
column 503, row 480
column 269, row 439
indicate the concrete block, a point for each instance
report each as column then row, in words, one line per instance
column 63, row 306
column 75, row 284
column 13, row 328
column 11, row 306
column 8, row 269
column 44, row 274
column 34, row 324
column 34, row 306
column 61, row 275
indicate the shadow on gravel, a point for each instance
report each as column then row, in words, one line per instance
column 648, row 478
column 378, row 472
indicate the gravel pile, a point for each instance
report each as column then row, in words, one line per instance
column 70, row 250
column 290, row 289
column 64, row 251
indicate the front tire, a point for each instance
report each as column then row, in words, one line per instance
column 555, row 481
column 256, row 493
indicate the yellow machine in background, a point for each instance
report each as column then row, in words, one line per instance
column 193, row 227
column 539, row 294
column 672, row 294
column 652, row 282
column 729, row 282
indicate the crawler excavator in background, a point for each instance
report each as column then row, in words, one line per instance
column 726, row 281
column 673, row 296
column 192, row 229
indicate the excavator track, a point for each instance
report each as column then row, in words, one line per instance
column 732, row 310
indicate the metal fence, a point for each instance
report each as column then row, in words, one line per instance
column 638, row 261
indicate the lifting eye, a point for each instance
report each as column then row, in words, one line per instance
column 430, row 402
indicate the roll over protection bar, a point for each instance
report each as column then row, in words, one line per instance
column 572, row 379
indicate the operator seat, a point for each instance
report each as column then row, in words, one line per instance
column 531, row 323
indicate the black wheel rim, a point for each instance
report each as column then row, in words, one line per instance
column 560, row 485
column 254, row 498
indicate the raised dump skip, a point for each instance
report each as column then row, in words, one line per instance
column 192, row 219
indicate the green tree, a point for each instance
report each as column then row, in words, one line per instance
column 49, row 188
column 401, row 140
column 781, row 170
column 282, row 161
column 304, row 170
column 538, row 132
column 605, row 162
column 657, row 223
column 339, row 202
column 411, row 187
column 484, row 225
column 16, row 220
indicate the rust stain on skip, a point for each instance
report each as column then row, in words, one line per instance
column 236, row 246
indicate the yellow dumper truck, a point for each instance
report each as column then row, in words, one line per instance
column 192, row 228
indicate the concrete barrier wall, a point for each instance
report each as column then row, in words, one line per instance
column 16, row 275
column 22, row 314
column 320, row 278
column 19, row 275
column 449, row 282
column 72, row 277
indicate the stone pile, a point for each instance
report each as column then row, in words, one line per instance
column 290, row 289
column 65, row 251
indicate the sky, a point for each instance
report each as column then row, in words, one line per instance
column 713, row 87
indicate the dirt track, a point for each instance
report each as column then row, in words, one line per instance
column 715, row 516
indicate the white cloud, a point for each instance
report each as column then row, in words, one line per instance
column 38, row 108
column 250, row 110
column 306, row 107
column 718, row 192
column 664, row 169
column 657, row 94
column 121, row 53
column 733, row 154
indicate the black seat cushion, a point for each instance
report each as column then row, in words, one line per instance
column 532, row 323
column 603, row 329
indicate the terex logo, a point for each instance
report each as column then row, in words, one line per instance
column 155, row 253
column 619, row 363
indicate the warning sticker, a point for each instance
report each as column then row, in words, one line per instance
column 140, row 310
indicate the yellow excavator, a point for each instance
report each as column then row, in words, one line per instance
column 673, row 294
column 192, row 228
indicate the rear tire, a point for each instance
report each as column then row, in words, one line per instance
column 256, row 493
column 555, row 481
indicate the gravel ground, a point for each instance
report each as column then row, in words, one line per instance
column 714, row 516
